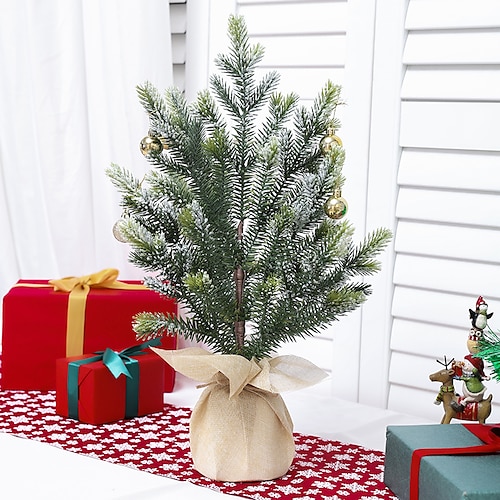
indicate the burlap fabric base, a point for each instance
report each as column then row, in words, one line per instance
column 240, row 428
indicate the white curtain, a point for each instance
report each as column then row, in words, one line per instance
column 68, row 108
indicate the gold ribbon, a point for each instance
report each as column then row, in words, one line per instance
column 78, row 289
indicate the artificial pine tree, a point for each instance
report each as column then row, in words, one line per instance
column 231, row 220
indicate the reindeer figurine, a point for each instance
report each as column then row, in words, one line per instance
column 477, row 411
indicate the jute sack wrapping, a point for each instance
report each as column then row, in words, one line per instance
column 240, row 428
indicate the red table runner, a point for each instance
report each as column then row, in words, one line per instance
column 159, row 444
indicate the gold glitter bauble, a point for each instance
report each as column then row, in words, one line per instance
column 117, row 230
column 336, row 206
column 151, row 146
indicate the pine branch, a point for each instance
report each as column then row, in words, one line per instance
column 489, row 350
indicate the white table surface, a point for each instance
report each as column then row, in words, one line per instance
column 38, row 471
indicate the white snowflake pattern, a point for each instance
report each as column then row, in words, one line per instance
column 288, row 489
column 302, row 447
column 351, row 475
column 273, row 494
column 329, row 447
column 45, row 411
column 61, row 436
column 256, row 488
column 21, row 409
column 72, row 430
column 156, row 445
column 87, row 437
column 123, row 446
column 160, row 456
column 371, row 457
column 55, row 418
column 343, row 457
column 132, row 456
column 304, row 464
column 48, row 398
column 179, row 413
column 113, row 427
column 147, row 435
column 144, row 419
column 323, row 485
column 361, row 470
column 338, row 465
column 170, row 467
column 178, row 428
column 93, row 446
column 19, row 420
column 313, row 491
column 354, row 487
column 377, row 477
column 307, row 473
column 181, row 437
column 20, row 396
column 151, row 427
column 377, row 494
column 52, row 428
column 86, row 426
column 120, row 435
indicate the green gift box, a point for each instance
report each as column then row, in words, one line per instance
column 455, row 463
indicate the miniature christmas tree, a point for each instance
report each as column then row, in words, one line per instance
column 240, row 218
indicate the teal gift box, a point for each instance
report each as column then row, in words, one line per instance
column 455, row 463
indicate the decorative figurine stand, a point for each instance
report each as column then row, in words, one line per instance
column 471, row 405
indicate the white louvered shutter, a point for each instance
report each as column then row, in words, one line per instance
column 178, row 26
column 447, row 243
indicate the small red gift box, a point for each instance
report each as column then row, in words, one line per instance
column 110, row 386
column 39, row 318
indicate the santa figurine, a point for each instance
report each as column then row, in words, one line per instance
column 471, row 372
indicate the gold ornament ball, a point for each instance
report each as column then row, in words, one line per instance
column 117, row 231
column 329, row 142
column 151, row 146
column 335, row 207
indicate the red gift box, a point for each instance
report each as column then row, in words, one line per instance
column 87, row 390
column 36, row 325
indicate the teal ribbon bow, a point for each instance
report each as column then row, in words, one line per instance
column 118, row 363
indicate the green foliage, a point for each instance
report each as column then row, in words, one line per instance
column 489, row 350
column 239, row 193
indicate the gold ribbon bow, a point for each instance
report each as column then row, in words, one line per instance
column 78, row 289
